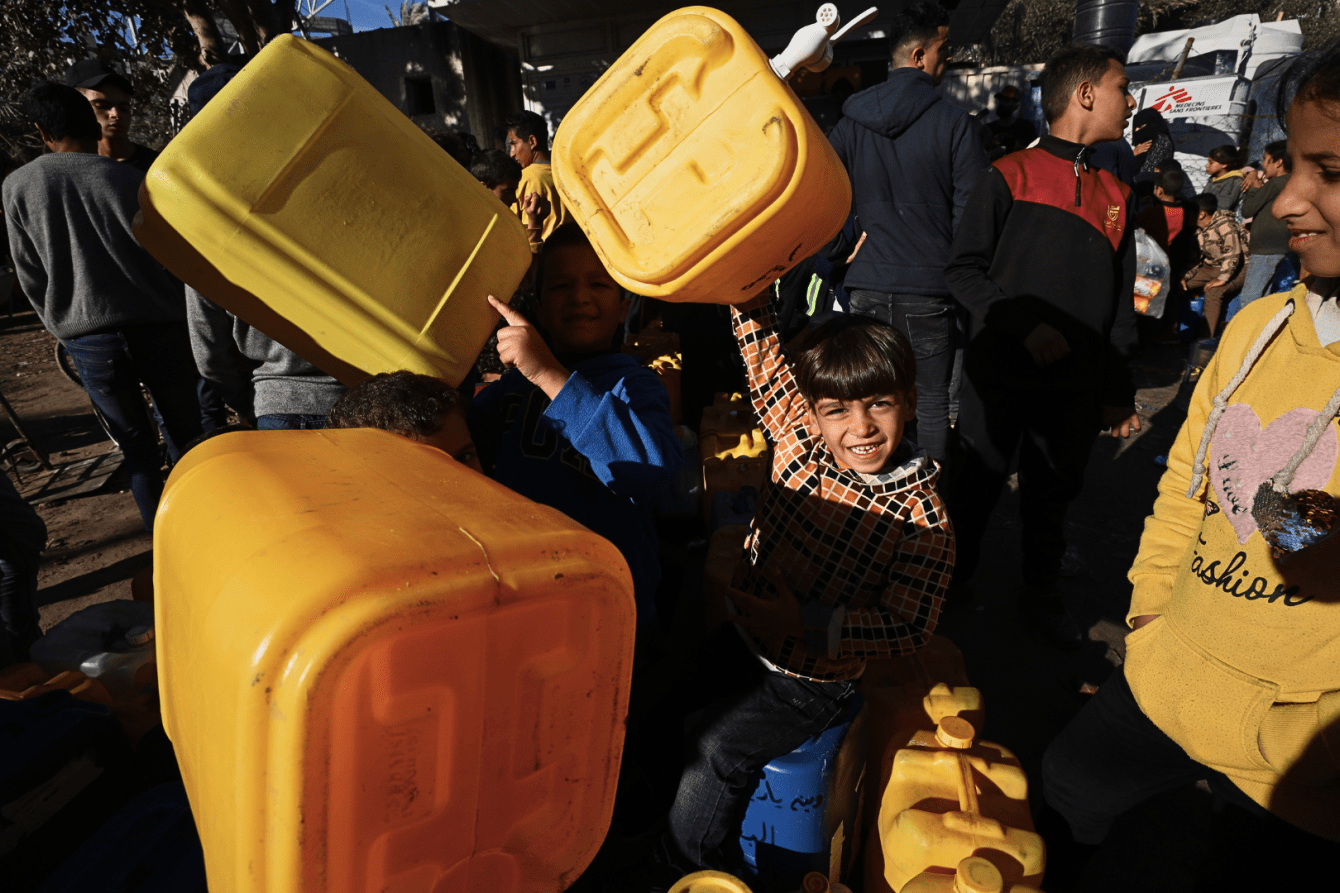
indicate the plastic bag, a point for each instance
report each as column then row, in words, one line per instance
column 1152, row 276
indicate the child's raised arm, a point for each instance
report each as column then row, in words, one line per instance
column 768, row 370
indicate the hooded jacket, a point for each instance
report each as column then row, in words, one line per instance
column 1047, row 239
column 1241, row 666
column 913, row 159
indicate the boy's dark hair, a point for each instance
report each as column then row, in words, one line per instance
column 1279, row 150
column 460, row 146
column 403, row 403
column 1208, row 203
column 1228, row 155
column 915, row 26
column 1313, row 77
column 1170, row 181
column 494, row 167
column 1168, row 164
column 63, row 112
column 528, row 124
column 855, row 357
column 1069, row 68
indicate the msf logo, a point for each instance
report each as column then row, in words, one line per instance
column 1175, row 96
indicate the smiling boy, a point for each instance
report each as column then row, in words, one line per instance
column 848, row 558
column 577, row 425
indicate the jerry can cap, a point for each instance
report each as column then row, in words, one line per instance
column 814, row 882
column 709, row 882
column 140, row 635
column 955, row 732
column 976, row 875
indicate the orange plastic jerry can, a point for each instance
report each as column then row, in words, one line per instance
column 304, row 202
column 381, row 670
column 949, row 797
column 695, row 170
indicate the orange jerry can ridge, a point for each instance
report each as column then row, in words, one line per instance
column 381, row 670
column 696, row 171
column 305, row 203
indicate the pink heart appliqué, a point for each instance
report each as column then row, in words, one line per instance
column 1242, row 457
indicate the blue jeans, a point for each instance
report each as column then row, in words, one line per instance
column 753, row 717
column 1260, row 270
column 290, row 422
column 113, row 366
column 928, row 323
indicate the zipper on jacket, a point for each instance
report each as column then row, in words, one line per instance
column 1079, row 159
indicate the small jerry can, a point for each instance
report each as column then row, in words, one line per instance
column 710, row 882
column 732, row 475
column 305, row 203
column 695, row 170
column 724, row 551
column 380, row 670
column 950, row 797
column 658, row 350
column 973, row 875
column 729, row 415
column 803, row 810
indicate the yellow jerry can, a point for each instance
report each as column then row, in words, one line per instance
column 728, row 414
column 710, row 882
column 973, row 875
column 731, row 475
column 949, row 797
column 305, row 203
column 905, row 695
column 381, row 670
column 696, row 171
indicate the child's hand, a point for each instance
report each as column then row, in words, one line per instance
column 521, row 347
column 1046, row 345
column 772, row 620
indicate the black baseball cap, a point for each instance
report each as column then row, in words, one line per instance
column 87, row 74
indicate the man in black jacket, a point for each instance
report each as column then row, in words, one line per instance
column 1044, row 260
column 913, row 159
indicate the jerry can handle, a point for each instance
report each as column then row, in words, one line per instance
column 812, row 46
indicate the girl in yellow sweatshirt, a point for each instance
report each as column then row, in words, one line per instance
column 1232, row 672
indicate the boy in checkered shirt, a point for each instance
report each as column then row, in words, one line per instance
column 848, row 557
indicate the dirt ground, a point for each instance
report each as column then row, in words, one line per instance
column 97, row 545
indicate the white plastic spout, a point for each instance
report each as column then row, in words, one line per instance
column 812, row 46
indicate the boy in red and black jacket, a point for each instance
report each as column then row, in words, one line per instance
column 1044, row 261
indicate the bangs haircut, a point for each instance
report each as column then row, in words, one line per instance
column 403, row 403
column 569, row 235
column 1069, row 68
column 854, row 358
column 1313, row 77
column 1228, row 155
column 1279, row 150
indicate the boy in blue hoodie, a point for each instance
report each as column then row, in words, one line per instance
column 577, row 425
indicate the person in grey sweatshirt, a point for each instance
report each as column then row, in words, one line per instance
column 120, row 315
column 259, row 378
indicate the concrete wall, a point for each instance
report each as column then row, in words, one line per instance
column 469, row 83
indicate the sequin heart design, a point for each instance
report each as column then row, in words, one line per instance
column 1242, row 457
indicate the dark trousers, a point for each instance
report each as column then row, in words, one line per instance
column 752, row 717
column 1053, row 432
column 1111, row 757
column 112, row 367
column 928, row 323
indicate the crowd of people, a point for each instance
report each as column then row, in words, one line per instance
column 975, row 315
